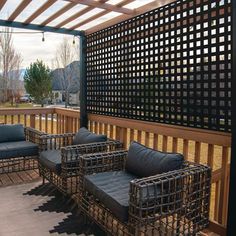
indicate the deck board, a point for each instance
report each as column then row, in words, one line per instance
column 18, row 177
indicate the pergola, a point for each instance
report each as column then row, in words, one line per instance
column 120, row 11
column 114, row 32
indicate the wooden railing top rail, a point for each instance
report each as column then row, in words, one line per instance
column 39, row 110
column 198, row 135
column 67, row 112
column 26, row 111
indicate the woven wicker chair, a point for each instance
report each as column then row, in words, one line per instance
column 20, row 155
column 64, row 173
column 171, row 203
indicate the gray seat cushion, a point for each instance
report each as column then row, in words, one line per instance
column 112, row 189
column 18, row 149
column 84, row 136
column 51, row 159
column 11, row 133
column 143, row 162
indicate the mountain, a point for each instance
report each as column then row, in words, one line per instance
column 60, row 76
column 14, row 72
column 22, row 73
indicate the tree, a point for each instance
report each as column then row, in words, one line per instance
column 65, row 55
column 38, row 81
column 10, row 62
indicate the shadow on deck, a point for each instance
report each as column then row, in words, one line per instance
column 39, row 210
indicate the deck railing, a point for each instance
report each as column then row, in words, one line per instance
column 201, row 146
column 50, row 120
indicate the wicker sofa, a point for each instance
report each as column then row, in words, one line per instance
column 18, row 148
column 60, row 154
column 144, row 192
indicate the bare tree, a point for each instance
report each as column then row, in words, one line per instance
column 15, row 86
column 10, row 62
column 65, row 55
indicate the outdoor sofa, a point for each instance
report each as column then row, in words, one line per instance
column 144, row 192
column 18, row 148
column 60, row 154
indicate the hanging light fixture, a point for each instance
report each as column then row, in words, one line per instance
column 43, row 39
column 74, row 40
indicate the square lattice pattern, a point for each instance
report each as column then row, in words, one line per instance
column 170, row 65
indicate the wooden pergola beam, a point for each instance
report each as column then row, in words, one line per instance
column 148, row 7
column 21, row 25
column 19, row 9
column 77, row 15
column 105, row 6
column 59, row 13
column 43, row 8
column 2, row 3
column 100, row 14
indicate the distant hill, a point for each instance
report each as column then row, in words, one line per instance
column 22, row 73
column 59, row 75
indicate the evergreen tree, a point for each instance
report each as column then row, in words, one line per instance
column 38, row 81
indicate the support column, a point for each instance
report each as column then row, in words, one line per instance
column 83, row 83
column 232, row 189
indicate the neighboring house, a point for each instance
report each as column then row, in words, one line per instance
column 66, row 79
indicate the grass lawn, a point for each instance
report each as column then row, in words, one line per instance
column 19, row 105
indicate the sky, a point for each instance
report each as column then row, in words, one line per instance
column 31, row 47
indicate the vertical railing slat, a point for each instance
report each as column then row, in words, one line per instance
column 197, row 152
column 164, row 143
column 155, row 141
column 223, row 186
column 175, row 144
column 185, row 149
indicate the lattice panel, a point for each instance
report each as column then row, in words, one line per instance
column 170, row 65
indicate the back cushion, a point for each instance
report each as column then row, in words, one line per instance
column 144, row 162
column 10, row 133
column 85, row 136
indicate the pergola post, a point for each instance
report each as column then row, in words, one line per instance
column 83, row 83
column 232, row 192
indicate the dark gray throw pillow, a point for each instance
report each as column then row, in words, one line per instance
column 11, row 133
column 84, row 136
column 144, row 162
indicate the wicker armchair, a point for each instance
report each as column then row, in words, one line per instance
column 63, row 172
column 19, row 152
column 172, row 203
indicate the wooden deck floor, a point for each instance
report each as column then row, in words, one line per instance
column 19, row 177
column 29, row 208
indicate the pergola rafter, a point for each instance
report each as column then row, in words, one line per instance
column 86, row 24
column 2, row 3
column 105, row 6
column 140, row 10
column 77, row 15
column 19, row 9
column 59, row 13
column 100, row 14
column 43, row 8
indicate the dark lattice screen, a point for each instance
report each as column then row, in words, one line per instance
column 170, row 65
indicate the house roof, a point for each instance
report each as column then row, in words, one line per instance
column 72, row 16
